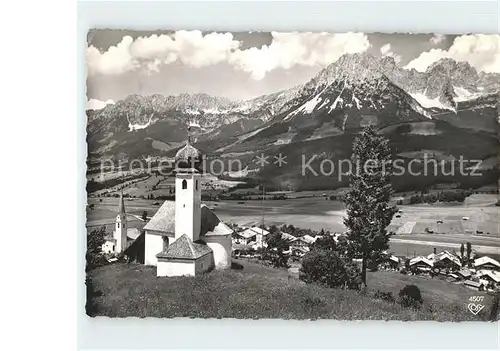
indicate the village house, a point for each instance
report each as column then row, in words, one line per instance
column 446, row 260
column 421, row 263
column 245, row 237
column 301, row 245
column 185, row 237
column 286, row 236
column 486, row 262
column 488, row 278
column 390, row 262
column 254, row 237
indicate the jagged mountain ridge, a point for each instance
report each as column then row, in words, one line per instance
column 445, row 82
column 356, row 89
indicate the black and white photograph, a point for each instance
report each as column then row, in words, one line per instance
column 292, row 175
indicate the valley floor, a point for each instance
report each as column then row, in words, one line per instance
column 317, row 213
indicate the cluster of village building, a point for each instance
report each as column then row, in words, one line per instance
column 482, row 273
column 247, row 240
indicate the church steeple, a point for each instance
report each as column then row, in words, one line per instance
column 121, row 205
column 121, row 226
column 189, row 159
column 188, row 191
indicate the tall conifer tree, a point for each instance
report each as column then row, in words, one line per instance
column 369, row 212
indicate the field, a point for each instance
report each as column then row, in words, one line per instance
column 250, row 290
column 317, row 213
column 159, row 185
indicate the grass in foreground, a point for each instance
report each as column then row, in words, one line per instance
column 434, row 290
column 134, row 290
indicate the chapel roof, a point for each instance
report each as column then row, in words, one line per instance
column 133, row 233
column 164, row 221
column 184, row 248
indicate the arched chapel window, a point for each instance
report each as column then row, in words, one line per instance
column 184, row 184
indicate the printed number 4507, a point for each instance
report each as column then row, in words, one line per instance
column 476, row 298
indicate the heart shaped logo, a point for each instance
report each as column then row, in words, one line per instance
column 475, row 308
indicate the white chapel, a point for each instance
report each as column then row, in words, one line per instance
column 185, row 237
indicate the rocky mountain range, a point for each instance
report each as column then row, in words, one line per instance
column 354, row 91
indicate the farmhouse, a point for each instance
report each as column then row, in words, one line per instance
column 488, row 277
column 446, row 260
column 122, row 236
column 252, row 236
column 309, row 239
column 486, row 262
column 392, row 262
column 185, row 237
column 286, row 236
column 299, row 246
column 246, row 237
column 421, row 263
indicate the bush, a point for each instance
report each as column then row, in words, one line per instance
column 94, row 256
column 327, row 243
column 327, row 268
column 386, row 296
column 410, row 296
column 90, row 305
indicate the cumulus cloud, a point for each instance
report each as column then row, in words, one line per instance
column 117, row 59
column 481, row 51
column 385, row 50
column 437, row 39
column 197, row 50
column 189, row 47
column 289, row 49
column 95, row 104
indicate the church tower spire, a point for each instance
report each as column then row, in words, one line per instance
column 121, row 226
column 121, row 206
column 188, row 162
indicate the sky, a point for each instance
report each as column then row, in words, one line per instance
column 240, row 66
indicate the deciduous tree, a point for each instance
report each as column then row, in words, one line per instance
column 275, row 250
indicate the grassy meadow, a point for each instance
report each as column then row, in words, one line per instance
column 254, row 291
